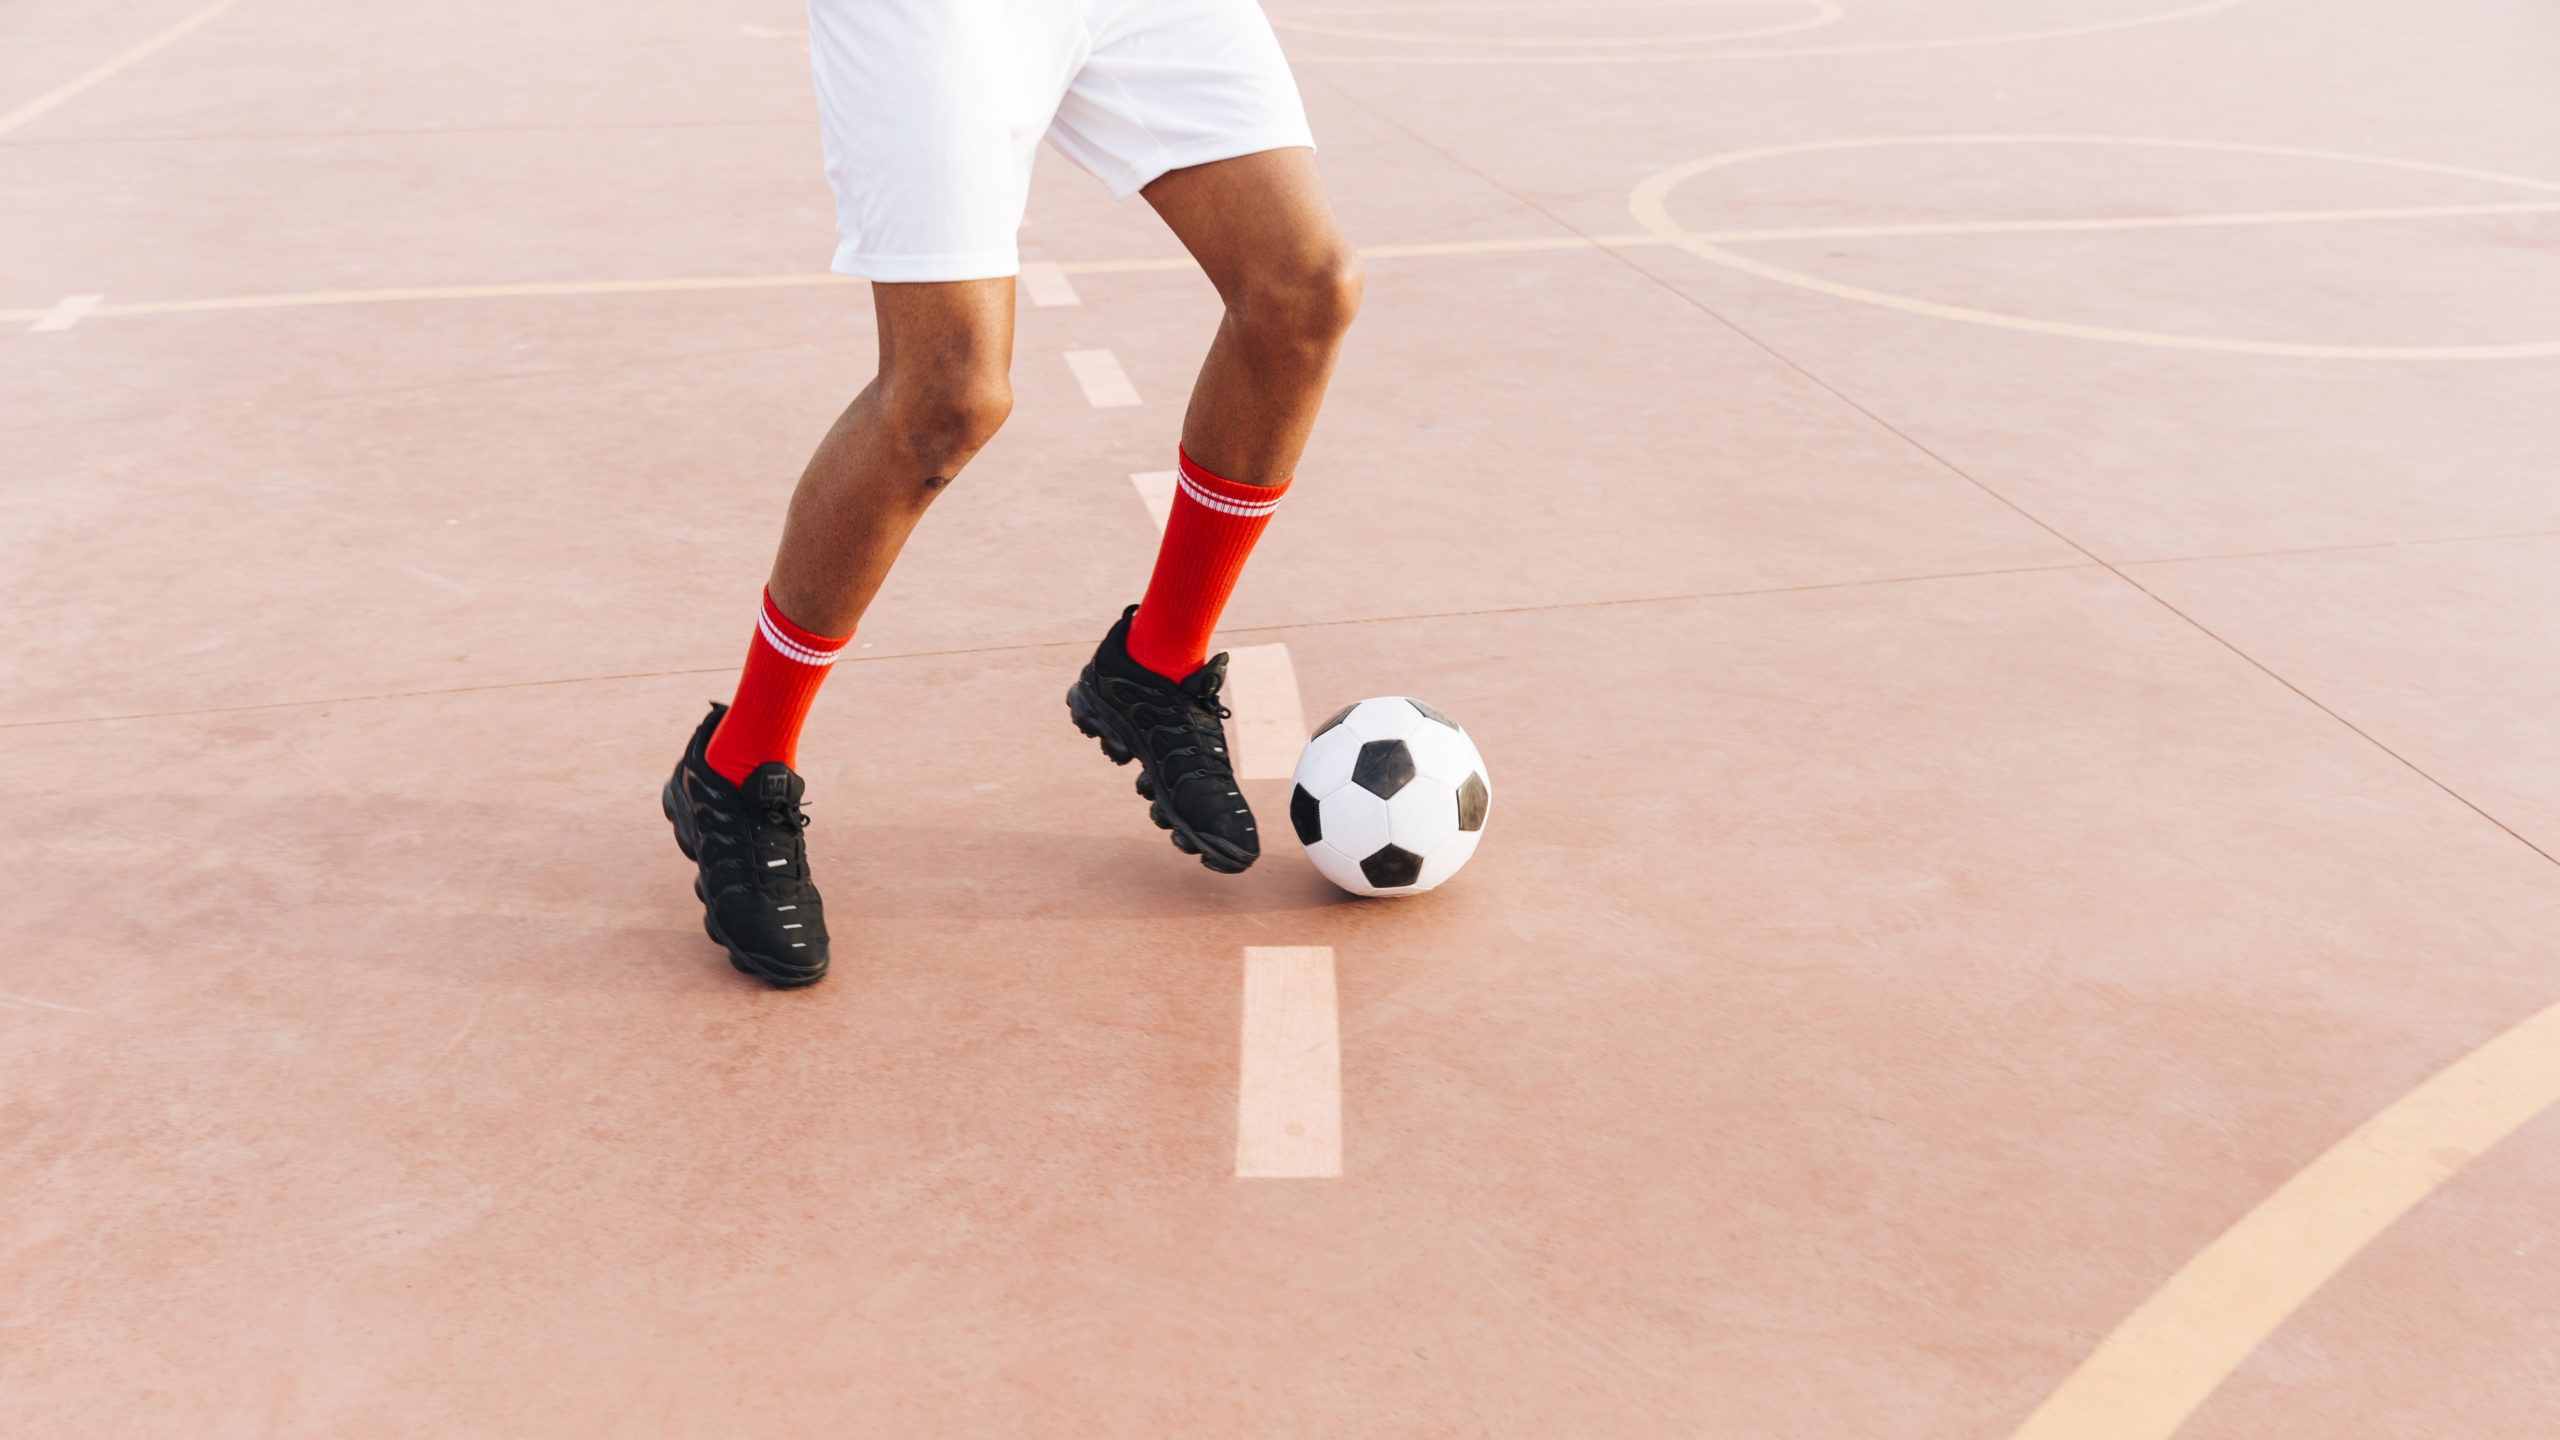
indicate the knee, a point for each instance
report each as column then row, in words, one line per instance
column 948, row 418
column 1307, row 307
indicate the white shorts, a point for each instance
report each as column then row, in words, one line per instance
column 931, row 111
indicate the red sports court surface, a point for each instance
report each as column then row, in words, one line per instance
column 2001, row 554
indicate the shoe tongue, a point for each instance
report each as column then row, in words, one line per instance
column 773, row 783
column 1205, row 682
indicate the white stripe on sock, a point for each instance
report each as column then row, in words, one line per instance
column 1251, row 509
column 792, row 649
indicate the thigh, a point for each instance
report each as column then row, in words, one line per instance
column 1176, row 83
column 929, row 113
column 947, row 336
column 1255, row 219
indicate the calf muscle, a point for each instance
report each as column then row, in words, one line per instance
column 940, row 395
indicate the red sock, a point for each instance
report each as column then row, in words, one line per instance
column 1206, row 539
column 785, row 666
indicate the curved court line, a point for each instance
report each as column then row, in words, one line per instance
column 2148, row 1376
column 1649, row 203
column 2059, row 32
column 111, row 68
column 1825, row 12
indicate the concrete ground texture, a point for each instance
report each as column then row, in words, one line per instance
column 2003, row 557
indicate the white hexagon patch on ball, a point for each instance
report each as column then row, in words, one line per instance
column 1389, row 797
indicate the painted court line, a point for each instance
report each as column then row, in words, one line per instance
column 66, row 312
column 2170, row 1354
column 1649, row 204
column 1155, row 491
column 1105, row 384
column 1670, row 235
column 1270, row 724
column 1289, row 1091
column 1673, row 52
column 111, row 68
column 298, row 299
column 1046, row 284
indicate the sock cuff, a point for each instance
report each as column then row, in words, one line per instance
column 793, row 643
column 1227, row 497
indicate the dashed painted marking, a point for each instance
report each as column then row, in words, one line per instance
column 66, row 312
column 1270, row 724
column 1046, row 284
column 1105, row 384
column 1289, row 1095
column 1155, row 491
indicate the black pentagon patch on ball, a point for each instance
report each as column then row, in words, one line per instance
column 1472, row 798
column 1384, row 767
column 1435, row 715
column 1307, row 817
column 1392, row 867
column 1336, row 718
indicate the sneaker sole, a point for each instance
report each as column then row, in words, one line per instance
column 773, row 973
column 1099, row 724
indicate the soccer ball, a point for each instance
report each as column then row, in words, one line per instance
column 1389, row 797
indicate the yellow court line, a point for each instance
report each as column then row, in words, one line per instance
column 298, row 299
column 2127, row 222
column 111, row 68
column 1874, row 47
column 466, row 292
column 2169, row 1355
column 1825, row 12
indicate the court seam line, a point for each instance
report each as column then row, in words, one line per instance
column 2359, row 731
column 115, row 65
column 2067, row 1388
column 2338, row 549
column 1948, row 465
column 1026, row 645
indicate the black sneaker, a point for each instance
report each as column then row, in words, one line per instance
column 753, row 867
column 1172, row 731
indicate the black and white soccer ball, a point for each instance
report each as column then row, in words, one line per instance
column 1389, row 797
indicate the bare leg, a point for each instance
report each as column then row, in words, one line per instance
column 940, row 395
column 1260, row 226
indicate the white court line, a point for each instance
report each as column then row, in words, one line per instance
column 111, row 68
column 1105, row 384
column 1046, row 284
column 1289, row 1092
column 66, row 312
column 1270, row 725
column 1155, row 491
